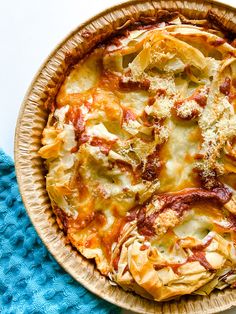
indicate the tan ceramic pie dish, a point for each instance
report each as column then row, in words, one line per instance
column 29, row 166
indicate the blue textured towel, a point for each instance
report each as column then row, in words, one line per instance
column 31, row 281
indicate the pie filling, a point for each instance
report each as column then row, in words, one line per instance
column 140, row 148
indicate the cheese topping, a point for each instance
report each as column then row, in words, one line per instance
column 141, row 157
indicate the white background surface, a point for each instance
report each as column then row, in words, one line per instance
column 29, row 31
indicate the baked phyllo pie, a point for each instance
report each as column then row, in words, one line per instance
column 140, row 149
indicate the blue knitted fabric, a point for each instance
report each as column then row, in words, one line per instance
column 31, row 281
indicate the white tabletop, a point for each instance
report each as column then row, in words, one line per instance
column 29, row 31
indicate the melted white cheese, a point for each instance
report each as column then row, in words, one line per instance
column 178, row 155
column 99, row 130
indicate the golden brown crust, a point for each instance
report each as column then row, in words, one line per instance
column 139, row 139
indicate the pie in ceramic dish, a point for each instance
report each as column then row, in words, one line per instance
column 140, row 150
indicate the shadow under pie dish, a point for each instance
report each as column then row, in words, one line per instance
column 140, row 156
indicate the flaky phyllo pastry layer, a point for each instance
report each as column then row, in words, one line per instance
column 140, row 148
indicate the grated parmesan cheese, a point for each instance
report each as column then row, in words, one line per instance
column 188, row 108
